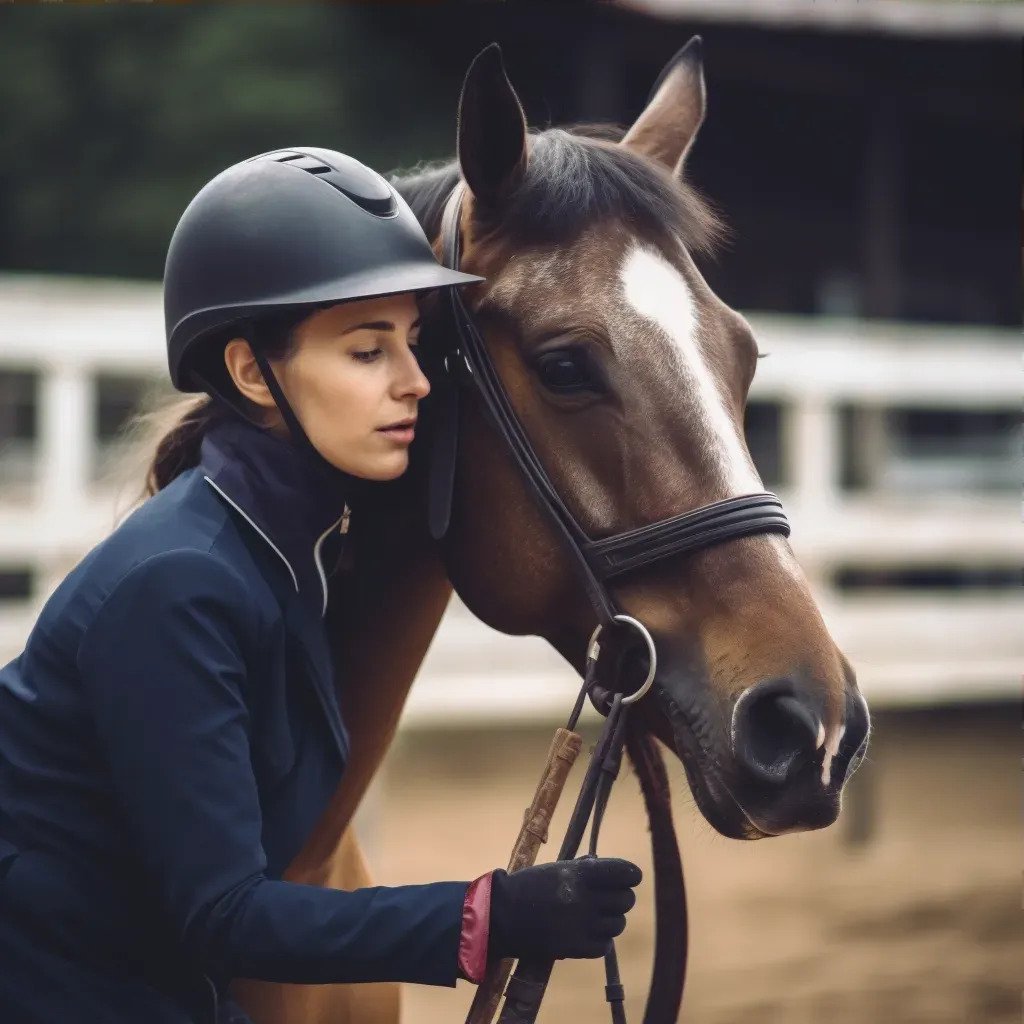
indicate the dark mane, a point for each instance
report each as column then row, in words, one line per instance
column 425, row 189
column 574, row 179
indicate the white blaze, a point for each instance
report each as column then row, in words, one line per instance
column 660, row 294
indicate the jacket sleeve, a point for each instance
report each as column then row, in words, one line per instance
column 164, row 663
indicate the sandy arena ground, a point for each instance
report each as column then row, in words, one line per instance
column 921, row 923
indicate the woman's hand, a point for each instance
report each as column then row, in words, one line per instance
column 565, row 909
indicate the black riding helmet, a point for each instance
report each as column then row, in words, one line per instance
column 270, row 240
column 293, row 229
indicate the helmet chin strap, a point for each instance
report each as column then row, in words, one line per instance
column 305, row 449
column 349, row 485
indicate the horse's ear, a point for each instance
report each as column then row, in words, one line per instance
column 674, row 112
column 492, row 130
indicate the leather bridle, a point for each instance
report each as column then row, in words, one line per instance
column 468, row 363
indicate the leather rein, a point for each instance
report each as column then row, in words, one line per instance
column 468, row 364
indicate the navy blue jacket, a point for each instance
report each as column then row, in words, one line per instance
column 168, row 739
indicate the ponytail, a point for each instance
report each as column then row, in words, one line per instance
column 178, row 448
column 167, row 441
column 171, row 436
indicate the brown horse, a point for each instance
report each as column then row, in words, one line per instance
column 630, row 377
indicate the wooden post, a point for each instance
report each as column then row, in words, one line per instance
column 565, row 748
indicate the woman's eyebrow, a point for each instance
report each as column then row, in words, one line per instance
column 371, row 325
column 377, row 325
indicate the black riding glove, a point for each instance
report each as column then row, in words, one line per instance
column 565, row 909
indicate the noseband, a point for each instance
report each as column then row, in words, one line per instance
column 468, row 362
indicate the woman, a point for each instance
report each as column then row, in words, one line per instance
column 171, row 733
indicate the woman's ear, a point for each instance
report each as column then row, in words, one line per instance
column 245, row 372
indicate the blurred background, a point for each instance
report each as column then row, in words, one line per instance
column 867, row 156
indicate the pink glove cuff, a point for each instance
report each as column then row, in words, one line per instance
column 476, row 924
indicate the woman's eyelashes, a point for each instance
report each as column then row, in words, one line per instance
column 368, row 357
column 372, row 355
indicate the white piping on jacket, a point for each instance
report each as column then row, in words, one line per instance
column 241, row 511
column 342, row 520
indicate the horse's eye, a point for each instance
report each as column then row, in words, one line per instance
column 565, row 370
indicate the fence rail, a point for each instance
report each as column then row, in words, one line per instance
column 909, row 645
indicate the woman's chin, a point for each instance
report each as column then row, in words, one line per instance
column 394, row 474
column 382, row 470
column 379, row 466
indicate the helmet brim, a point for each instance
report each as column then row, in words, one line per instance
column 380, row 281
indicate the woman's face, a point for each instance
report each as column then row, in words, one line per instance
column 353, row 380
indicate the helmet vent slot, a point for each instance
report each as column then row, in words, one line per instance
column 360, row 188
column 309, row 163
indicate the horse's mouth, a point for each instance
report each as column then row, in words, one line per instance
column 734, row 808
column 710, row 791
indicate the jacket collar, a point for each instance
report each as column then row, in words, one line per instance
column 297, row 509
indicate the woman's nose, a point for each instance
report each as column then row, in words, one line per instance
column 413, row 383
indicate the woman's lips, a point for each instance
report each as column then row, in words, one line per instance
column 402, row 434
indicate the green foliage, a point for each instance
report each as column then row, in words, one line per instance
column 115, row 115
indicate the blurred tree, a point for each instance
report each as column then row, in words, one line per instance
column 115, row 116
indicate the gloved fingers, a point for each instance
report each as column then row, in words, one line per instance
column 618, row 901
column 591, row 949
column 609, row 872
column 605, row 928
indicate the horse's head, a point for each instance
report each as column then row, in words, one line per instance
column 630, row 377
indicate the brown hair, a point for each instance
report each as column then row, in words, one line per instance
column 173, row 434
column 179, row 444
column 161, row 441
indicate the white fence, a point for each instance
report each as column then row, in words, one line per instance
column 908, row 645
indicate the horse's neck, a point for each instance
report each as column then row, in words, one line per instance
column 380, row 627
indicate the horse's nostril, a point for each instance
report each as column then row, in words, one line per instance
column 858, row 722
column 855, row 737
column 774, row 732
